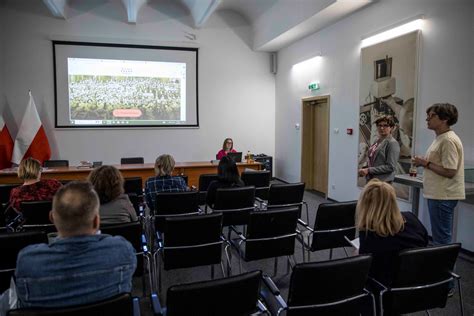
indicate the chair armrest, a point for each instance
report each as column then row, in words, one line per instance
column 305, row 225
column 239, row 234
column 456, row 276
column 136, row 306
column 155, row 305
column 271, row 285
column 376, row 283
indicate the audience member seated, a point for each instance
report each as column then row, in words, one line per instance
column 33, row 188
column 384, row 230
column 164, row 181
column 115, row 206
column 227, row 147
column 80, row 266
column 228, row 177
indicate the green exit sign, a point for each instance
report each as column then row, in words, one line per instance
column 313, row 86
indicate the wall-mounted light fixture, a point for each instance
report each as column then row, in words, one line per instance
column 308, row 62
column 393, row 32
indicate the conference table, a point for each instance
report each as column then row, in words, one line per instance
column 190, row 169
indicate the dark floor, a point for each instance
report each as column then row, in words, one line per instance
column 464, row 267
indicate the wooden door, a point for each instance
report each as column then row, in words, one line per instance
column 315, row 143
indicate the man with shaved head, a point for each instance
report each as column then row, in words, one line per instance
column 81, row 266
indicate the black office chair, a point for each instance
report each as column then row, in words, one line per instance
column 132, row 160
column 5, row 190
column 235, row 204
column 189, row 241
column 285, row 195
column 270, row 234
column 133, row 233
column 36, row 212
column 333, row 222
column 204, row 181
column 10, row 246
column 232, row 296
column 121, row 305
column 174, row 204
column 333, row 287
column 55, row 163
column 421, row 280
column 133, row 185
column 259, row 179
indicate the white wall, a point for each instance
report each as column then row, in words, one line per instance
column 445, row 74
column 236, row 88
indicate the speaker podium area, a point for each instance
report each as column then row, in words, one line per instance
column 191, row 169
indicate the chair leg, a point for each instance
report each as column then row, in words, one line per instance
column 345, row 251
column 330, row 254
column 229, row 260
column 461, row 305
column 275, row 267
column 212, row 271
column 307, row 212
column 427, row 312
column 223, row 269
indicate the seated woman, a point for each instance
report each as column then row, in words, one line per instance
column 164, row 181
column 228, row 177
column 33, row 188
column 384, row 230
column 227, row 147
column 115, row 206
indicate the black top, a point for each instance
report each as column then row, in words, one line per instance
column 385, row 249
column 219, row 184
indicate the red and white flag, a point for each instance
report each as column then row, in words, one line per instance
column 6, row 145
column 31, row 140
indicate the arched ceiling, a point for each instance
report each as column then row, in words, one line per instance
column 275, row 23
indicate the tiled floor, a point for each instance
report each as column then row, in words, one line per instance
column 464, row 266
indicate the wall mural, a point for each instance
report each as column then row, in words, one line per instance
column 388, row 87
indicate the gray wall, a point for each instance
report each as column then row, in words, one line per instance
column 236, row 88
column 445, row 74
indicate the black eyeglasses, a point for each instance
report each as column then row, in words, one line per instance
column 383, row 125
column 430, row 116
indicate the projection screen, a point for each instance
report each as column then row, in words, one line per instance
column 117, row 85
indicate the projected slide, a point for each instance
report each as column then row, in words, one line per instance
column 124, row 92
column 105, row 85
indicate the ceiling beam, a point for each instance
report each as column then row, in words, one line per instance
column 133, row 7
column 57, row 7
column 201, row 10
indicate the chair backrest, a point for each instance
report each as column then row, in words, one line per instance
column 271, row 233
column 131, row 160
column 334, row 221
column 36, row 212
column 285, row 194
column 235, row 204
column 421, row 266
column 198, row 238
column 120, row 305
column 56, row 163
column 205, row 180
column 237, row 295
column 258, row 179
column 328, row 281
column 133, row 185
column 174, row 203
column 5, row 190
column 131, row 232
column 10, row 246
column 185, row 178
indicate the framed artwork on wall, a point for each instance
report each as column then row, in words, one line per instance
column 387, row 86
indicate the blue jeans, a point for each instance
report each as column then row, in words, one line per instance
column 441, row 217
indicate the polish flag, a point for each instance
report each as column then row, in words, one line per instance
column 31, row 140
column 6, row 145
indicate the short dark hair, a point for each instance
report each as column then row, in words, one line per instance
column 227, row 170
column 107, row 182
column 387, row 119
column 75, row 205
column 445, row 111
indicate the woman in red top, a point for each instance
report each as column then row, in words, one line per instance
column 227, row 147
column 33, row 188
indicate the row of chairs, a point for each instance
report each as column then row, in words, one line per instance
column 336, row 287
column 65, row 163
